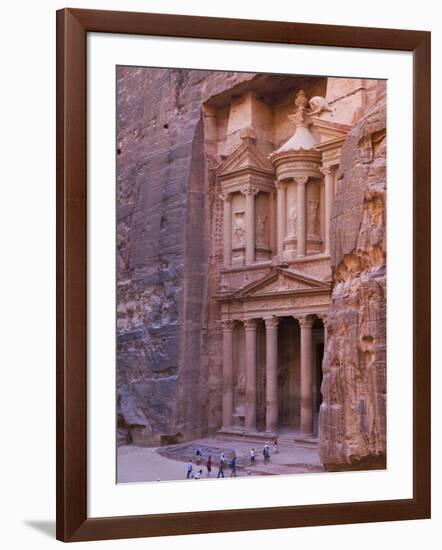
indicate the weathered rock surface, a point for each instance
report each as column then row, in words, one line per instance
column 352, row 420
column 163, row 254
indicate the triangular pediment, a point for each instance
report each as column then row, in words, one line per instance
column 247, row 155
column 282, row 281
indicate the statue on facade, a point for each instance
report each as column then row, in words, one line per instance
column 293, row 216
column 239, row 230
column 312, row 216
column 318, row 104
column 261, row 228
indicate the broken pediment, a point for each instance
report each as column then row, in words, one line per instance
column 328, row 131
column 246, row 156
column 284, row 281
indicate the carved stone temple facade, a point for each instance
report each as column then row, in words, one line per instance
column 275, row 282
column 231, row 260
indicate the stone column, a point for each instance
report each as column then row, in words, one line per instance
column 272, row 223
column 300, row 200
column 250, row 193
column 250, row 390
column 329, row 192
column 227, row 218
column 271, row 374
column 306, row 324
column 281, row 216
column 227, row 372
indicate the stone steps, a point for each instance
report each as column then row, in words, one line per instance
column 246, row 435
column 297, row 438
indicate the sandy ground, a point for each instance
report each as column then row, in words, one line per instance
column 138, row 464
column 135, row 464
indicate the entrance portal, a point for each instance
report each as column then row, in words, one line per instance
column 273, row 374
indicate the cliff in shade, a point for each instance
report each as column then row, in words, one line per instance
column 352, row 419
column 163, row 255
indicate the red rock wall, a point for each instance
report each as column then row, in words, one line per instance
column 163, row 218
column 352, row 421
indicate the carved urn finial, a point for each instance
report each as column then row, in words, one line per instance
column 301, row 100
column 302, row 137
column 300, row 116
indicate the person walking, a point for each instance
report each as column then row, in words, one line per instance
column 221, row 469
column 189, row 469
column 266, row 453
column 233, row 467
column 275, row 447
column 199, row 455
column 252, row 457
column 209, row 466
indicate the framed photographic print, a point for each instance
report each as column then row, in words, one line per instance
column 243, row 318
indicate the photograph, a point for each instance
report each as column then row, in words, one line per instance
column 217, row 327
column 251, row 274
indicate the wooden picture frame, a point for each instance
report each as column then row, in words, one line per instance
column 73, row 523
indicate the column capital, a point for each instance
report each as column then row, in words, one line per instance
column 326, row 170
column 305, row 321
column 271, row 322
column 227, row 324
column 249, row 190
column 280, row 185
column 225, row 197
column 250, row 324
column 301, row 180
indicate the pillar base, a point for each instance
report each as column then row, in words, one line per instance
column 314, row 244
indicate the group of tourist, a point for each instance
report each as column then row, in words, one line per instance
column 265, row 453
column 223, row 464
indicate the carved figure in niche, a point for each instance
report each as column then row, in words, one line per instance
column 239, row 230
column 293, row 216
column 261, row 228
column 318, row 104
column 312, row 217
column 240, row 390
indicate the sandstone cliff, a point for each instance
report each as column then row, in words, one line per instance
column 352, row 421
column 163, row 254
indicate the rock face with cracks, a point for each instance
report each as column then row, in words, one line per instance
column 352, row 419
